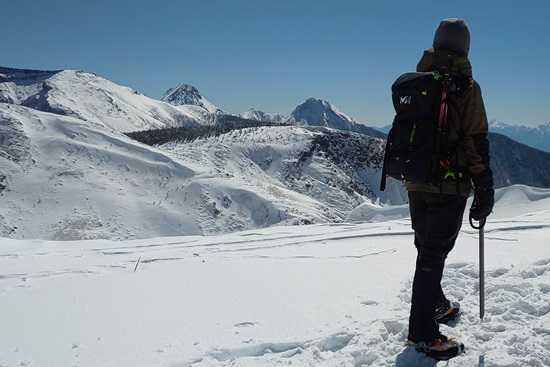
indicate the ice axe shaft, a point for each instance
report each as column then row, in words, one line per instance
column 481, row 273
column 481, row 265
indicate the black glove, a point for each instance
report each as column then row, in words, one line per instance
column 482, row 206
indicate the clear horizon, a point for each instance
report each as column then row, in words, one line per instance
column 272, row 56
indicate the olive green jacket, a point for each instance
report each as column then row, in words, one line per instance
column 468, row 130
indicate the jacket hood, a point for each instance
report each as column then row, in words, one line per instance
column 453, row 34
column 438, row 59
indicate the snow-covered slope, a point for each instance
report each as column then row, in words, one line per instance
column 331, row 171
column 536, row 137
column 321, row 295
column 65, row 178
column 91, row 98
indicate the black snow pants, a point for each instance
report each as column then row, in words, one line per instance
column 436, row 220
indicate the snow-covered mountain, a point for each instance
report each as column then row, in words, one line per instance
column 66, row 178
column 536, row 137
column 316, row 112
column 62, row 147
column 67, row 171
column 257, row 115
column 321, row 113
column 91, row 98
column 187, row 95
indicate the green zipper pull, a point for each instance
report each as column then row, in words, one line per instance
column 412, row 134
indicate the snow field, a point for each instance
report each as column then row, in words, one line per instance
column 322, row 295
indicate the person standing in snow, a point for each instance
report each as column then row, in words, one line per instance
column 437, row 213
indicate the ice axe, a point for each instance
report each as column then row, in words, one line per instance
column 481, row 264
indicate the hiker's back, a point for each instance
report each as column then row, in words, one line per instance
column 420, row 151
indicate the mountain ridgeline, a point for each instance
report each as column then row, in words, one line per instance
column 83, row 158
column 535, row 137
column 515, row 163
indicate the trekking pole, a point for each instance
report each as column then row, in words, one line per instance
column 481, row 265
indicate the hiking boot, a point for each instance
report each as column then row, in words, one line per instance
column 445, row 312
column 441, row 349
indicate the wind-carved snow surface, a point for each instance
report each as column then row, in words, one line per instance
column 319, row 295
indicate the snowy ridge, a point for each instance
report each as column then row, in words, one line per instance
column 322, row 295
column 536, row 137
column 94, row 99
column 16, row 86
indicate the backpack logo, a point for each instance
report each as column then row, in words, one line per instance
column 405, row 100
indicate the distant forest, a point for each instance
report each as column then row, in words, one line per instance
column 224, row 124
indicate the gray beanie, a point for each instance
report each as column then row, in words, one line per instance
column 453, row 34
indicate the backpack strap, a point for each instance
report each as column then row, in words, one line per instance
column 442, row 128
column 459, row 84
column 383, row 178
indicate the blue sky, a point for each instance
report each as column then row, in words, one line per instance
column 274, row 54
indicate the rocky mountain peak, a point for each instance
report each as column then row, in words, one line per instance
column 185, row 94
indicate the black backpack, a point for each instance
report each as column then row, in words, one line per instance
column 416, row 148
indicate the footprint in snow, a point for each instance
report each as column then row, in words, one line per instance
column 498, row 272
column 369, row 303
column 245, row 324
